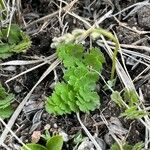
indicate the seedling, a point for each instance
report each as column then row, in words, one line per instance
column 79, row 35
column 5, row 103
column 137, row 146
column 77, row 91
column 16, row 42
column 53, row 143
column 129, row 102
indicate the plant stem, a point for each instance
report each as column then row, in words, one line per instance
column 3, row 9
column 115, row 40
column 110, row 36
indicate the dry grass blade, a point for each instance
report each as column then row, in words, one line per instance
column 145, row 48
column 147, row 132
column 134, row 5
column 6, row 147
column 111, row 132
column 51, row 15
column 126, row 80
column 140, row 74
column 88, row 133
column 125, row 46
column 24, row 72
column 20, row 62
column 14, row 135
column 21, row 105
column 33, row 68
column 137, row 60
column 28, row 62
column 120, row 71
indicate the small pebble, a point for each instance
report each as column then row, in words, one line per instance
column 17, row 89
column 55, row 126
column 47, row 127
column 64, row 135
column 86, row 145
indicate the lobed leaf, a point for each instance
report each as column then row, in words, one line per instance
column 5, row 103
column 77, row 93
column 16, row 42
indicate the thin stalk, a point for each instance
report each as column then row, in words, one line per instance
column 115, row 40
column 3, row 10
column 111, row 37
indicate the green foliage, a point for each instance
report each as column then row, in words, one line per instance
column 137, row 146
column 130, row 102
column 77, row 92
column 115, row 146
column 79, row 35
column 110, row 84
column 33, row 146
column 3, row 10
column 5, row 103
column 133, row 113
column 46, row 136
column 116, row 97
column 78, row 138
column 131, row 97
column 16, row 42
column 54, row 143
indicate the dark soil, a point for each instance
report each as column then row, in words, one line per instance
column 41, row 40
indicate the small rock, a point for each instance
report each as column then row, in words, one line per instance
column 116, row 127
column 55, row 126
column 86, row 145
column 64, row 135
column 47, row 127
column 17, row 89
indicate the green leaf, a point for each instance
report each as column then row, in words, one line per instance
column 70, row 54
column 116, row 97
column 5, row 103
column 14, row 34
column 6, row 112
column 78, row 138
column 134, row 113
column 131, row 97
column 3, row 93
column 55, row 143
column 16, row 42
column 115, row 146
column 138, row 146
column 110, row 84
column 33, row 146
column 94, row 59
